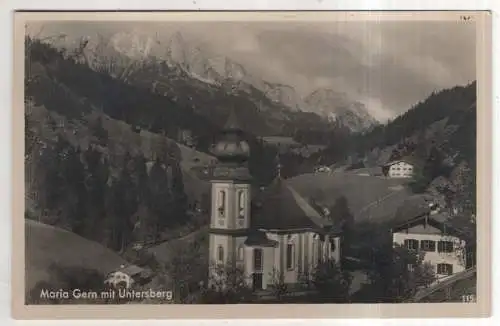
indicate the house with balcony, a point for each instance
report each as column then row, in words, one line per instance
column 447, row 247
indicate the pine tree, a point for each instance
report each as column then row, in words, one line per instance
column 160, row 198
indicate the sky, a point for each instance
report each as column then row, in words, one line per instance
column 387, row 65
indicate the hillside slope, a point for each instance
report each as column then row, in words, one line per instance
column 50, row 249
column 370, row 198
column 439, row 133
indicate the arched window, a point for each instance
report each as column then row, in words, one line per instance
column 220, row 254
column 241, row 204
column 241, row 253
column 315, row 249
column 222, row 202
column 320, row 251
column 333, row 246
column 290, row 254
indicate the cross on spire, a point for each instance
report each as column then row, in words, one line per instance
column 278, row 166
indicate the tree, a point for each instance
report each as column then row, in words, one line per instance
column 76, row 192
column 341, row 215
column 96, row 183
column 160, row 198
column 187, row 270
column 179, row 198
column 420, row 180
column 227, row 284
column 278, row 286
column 125, row 203
column 398, row 273
column 331, row 283
column 99, row 132
column 30, row 138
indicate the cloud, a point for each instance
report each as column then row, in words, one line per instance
column 387, row 65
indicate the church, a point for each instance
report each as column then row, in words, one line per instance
column 263, row 232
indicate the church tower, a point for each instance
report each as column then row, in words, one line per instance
column 230, row 195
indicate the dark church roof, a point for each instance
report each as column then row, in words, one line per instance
column 232, row 123
column 280, row 207
column 259, row 238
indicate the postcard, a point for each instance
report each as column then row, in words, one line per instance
column 252, row 165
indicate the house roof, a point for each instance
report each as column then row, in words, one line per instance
column 280, row 207
column 131, row 270
column 369, row 197
column 440, row 220
column 407, row 159
column 259, row 238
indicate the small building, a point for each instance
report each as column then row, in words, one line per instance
column 402, row 168
column 322, row 169
column 445, row 246
column 130, row 274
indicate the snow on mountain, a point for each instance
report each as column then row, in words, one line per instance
column 285, row 94
column 337, row 106
column 124, row 49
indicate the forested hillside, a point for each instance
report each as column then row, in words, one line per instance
column 439, row 134
column 100, row 159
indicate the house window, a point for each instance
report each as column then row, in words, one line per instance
column 220, row 254
column 428, row 245
column 411, row 244
column 240, row 256
column 445, row 246
column 241, row 204
column 290, row 253
column 410, row 267
column 222, row 202
column 445, row 269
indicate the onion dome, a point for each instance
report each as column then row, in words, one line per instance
column 231, row 146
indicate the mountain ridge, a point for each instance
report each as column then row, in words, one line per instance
column 212, row 68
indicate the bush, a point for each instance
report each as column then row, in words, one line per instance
column 331, row 283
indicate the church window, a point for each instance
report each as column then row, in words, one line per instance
column 240, row 256
column 320, row 251
column 220, row 254
column 290, row 255
column 241, row 204
column 222, row 202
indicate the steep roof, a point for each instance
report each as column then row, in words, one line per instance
column 232, row 122
column 280, row 207
column 443, row 221
column 259, row 238
column 407, row 159
column 369, row 197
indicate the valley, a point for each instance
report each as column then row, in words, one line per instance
column 118, row 137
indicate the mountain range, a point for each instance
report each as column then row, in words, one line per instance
column 125, row 54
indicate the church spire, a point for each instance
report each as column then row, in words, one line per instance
column 231, row 146
column 232, row 123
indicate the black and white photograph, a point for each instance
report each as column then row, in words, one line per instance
column 250, row 161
